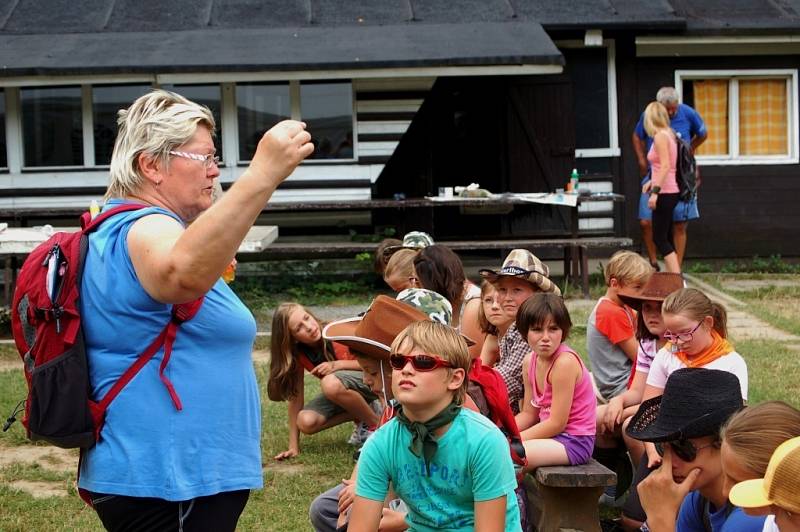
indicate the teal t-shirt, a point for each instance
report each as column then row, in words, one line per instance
column 471, row 464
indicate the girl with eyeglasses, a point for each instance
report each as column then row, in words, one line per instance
column 557, row 420
column 696, row 332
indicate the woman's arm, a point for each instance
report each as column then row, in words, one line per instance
column 563, row 378
column 176, row 265
column 529, row 414
column 471, row 328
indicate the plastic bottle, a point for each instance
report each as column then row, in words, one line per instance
column 573, row 180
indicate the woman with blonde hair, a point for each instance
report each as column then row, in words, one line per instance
column 297, row 346
column 181, row 444
column 663, row 187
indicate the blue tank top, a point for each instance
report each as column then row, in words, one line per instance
column 147, row 448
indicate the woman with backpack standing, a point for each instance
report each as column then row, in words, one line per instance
column 180, row 448
column 663, row 187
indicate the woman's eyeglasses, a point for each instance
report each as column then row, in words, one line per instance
column 683, row 449
column 684, row 337
column 207, row 159
column 418, row 362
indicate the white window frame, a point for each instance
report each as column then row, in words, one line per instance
column 734, row 76
column 613, row 149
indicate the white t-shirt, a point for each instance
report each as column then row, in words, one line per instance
column 665, row 363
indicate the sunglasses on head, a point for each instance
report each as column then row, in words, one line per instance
column 683, row 449
column 418, row 362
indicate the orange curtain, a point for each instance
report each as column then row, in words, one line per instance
column 711, row 101
column 762, row 117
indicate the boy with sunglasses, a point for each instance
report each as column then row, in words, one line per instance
column 687, row 492
column 449, row 465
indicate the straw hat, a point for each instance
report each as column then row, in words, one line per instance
column 780, row 485
column 523, row 264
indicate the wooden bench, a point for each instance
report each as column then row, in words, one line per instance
column 565, row 497
column 576, row 256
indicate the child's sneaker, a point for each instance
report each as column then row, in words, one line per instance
column 360, row 434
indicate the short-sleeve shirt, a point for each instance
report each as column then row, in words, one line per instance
column 609, row 324
column 666, row 363
column 690, row 517
column 648, row 348
column 472, row 463
column 687, row 124
column 513, row 349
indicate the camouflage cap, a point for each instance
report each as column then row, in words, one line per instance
column 413, row 240
column 525, row 265
column 434, row 304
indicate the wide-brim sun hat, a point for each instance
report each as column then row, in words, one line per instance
column 657, row 288
column 524, row 265
column 780, row 485
column 372, row 333
column 696, row 403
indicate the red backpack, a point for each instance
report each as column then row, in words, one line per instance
column 488, row 389
column 46, row 324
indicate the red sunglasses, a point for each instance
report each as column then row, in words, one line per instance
column 418, row 362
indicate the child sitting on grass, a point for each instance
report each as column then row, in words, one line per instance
column 449, row 465
column 557, row 421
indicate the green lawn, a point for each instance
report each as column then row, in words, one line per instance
column 774, row 370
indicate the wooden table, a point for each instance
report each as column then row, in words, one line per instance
column 17, row 242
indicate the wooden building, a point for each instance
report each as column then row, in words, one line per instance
column 407, row 96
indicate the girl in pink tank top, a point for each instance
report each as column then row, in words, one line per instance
column 557, row 421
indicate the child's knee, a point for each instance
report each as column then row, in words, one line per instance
column 331, row 386
column 309, row 421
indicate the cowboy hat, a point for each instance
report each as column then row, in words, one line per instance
column 657, row 288
column 523, row 264
column 696, row 403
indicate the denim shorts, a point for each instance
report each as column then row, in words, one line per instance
column 684, row 211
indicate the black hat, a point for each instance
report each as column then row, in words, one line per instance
column 696, row 403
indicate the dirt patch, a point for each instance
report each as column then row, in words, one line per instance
column 40, row 490
column 10, row 365
column 261, row 356
column 285, row 468
column 52, row 458
column 746, row 285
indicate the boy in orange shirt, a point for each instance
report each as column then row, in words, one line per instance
column 612, row 346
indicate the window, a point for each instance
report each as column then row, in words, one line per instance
column 594, row 91
column 750, row 116
column 107, row 100
column 3, row 159
column 259, row 106
column 52, row 126
column 208, row 95
column 327, row 110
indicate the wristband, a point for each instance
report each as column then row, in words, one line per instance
column 655, row 190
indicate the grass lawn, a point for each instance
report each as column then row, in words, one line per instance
column 774, row 371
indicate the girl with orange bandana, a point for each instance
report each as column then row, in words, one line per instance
column 696, row 335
